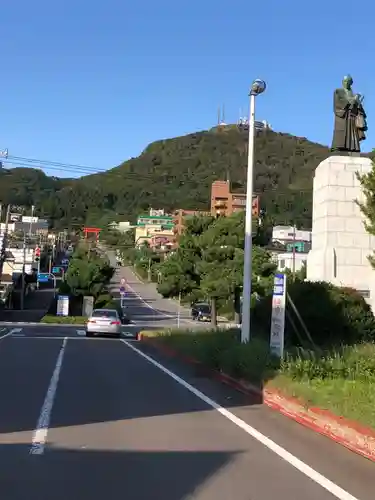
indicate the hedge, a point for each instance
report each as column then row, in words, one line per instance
column 64, row 320
column 333, row 316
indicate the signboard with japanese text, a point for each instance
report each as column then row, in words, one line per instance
column 278, row 315
column 62, row 305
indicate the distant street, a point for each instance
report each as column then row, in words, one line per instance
column 147, row 308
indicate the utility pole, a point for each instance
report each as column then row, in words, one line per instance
column 23, row 271
column 294, row 253
column 31, row 220
column 4, row 243
column 149, row 270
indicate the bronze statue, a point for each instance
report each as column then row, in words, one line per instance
column 350, row 119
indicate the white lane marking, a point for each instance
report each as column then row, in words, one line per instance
column 81, row 333
column 295, row 462
column 160, row 313
column 41, row 432
column 11, row 332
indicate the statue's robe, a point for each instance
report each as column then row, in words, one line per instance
column 346, row 135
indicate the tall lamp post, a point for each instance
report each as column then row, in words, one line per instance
column 257, row 87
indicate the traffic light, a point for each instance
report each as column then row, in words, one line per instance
column 37, row 254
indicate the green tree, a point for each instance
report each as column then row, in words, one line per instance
column 87, row 274
column 368, row 205
column 209, row 263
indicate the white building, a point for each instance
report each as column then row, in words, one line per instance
column 297, row 244
column 293, row 261
column 285, row 234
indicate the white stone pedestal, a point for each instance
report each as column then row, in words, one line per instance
column 340, row 243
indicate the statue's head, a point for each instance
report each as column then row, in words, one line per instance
column 347, row 82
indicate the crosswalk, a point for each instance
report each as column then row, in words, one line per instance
column 49, row 333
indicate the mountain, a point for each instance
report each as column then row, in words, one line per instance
column 177, row 173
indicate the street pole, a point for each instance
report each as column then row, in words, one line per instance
column 257, row 88
column 179, row 310
column 149, row 270
column 294, row 253
column 31, row 220
column 4, row 243
column 23, row 271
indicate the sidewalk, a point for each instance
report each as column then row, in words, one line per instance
column 36, row 305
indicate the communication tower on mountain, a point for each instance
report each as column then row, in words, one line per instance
column 221, row 117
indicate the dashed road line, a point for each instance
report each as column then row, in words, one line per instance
column 41, row 432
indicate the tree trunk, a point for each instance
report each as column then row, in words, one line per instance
column 213, row 313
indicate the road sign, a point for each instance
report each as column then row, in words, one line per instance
column 62, row 305
column 278, row 315
column 43, row 277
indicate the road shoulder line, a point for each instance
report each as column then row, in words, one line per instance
column 304, row 468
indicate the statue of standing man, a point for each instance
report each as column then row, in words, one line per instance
column 350, row 120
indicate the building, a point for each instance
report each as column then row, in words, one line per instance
column 155, row 230
column 224, row 202
column 292, row 261
column 121, row 227
column 28, row 225
column 180, row 215
column 296, row 244
column 289, row 234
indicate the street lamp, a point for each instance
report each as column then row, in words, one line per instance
column 257, row 87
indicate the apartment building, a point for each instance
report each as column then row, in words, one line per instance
column 224, row 202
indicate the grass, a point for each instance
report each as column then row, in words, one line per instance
column 64, row 320
column 342, row 381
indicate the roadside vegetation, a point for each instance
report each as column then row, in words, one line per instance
column 88, row 274
column 329, row 358
column 340, row 379
column 64, row 320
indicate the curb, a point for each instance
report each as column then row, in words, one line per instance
column 352, row 435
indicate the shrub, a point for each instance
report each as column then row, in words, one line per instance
column 222, row 350
column 332, row 315
column 64, row 320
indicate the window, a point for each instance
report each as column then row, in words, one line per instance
column 104, row 314
column 282, row 263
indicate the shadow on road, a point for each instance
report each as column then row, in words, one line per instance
column 100, row 382
column 92, row 474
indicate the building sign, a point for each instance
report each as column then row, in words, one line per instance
column 62, row 305
column 278, row 315
column 29, row 220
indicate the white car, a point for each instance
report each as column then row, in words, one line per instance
column 104, row 322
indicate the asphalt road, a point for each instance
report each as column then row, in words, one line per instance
column 147, row 308
column 89, row 419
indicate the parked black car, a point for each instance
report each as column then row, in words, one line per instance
column 201, row 311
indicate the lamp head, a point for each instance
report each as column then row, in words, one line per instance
column 257, row 87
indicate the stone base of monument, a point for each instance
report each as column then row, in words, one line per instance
column 340, row 243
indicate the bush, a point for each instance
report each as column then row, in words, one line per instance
column 332, row 315
column 64, row 320
column 222, row 350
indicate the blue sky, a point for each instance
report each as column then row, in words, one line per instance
column 92, row 82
